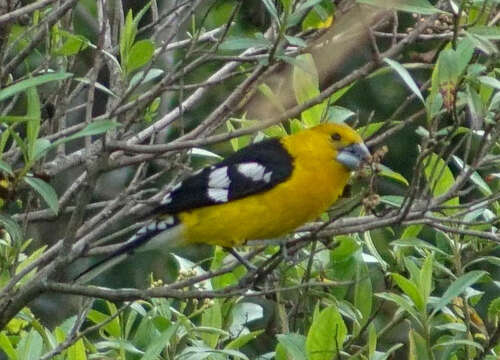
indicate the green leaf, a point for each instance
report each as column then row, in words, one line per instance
column 271, row 9
column 6, row 167
column 405, row 75
column 482, row 43
column 30, row 346
column 411, row 231
column 464, row 51
column 31, row 82
column 411, row 290
column 77, row 351
column 33, row 126
column 494, row 311
column 412, row 6
column 98, row 85
column 391, row 174
column 127, row 35
column 475, row 177
column 415, row 242
column 363, row 291
column 72, row 46
column 440, row 178
column 7, row 347
column 40, row 148
column 339, row 93
column 202, row 352
column 212, row 317
column 296, row 41
column 306, row 87
column 280, row 353
column 286, row 4
column 221, row 281
column 373, row 250
column 372, row 340
column 426, row 278
column 388, row 354
column 150, row 76
column 320, row 16
column 243, row 43
column 418, row 347
column 238, row 142
column 488, row 32
column 159, row 343
column 490, row 81
column 242, row 340
column 448, row 69
column 343, row 263
column 455, row 342
column 452, row 326
column 403, row 303
column 46, row 191
column 298, row 15
column 203, row 153
column 111, row 328
column 12, row 228
column 242, row 313
column 458, row 287
column 294, row 344
column 120, row 345
column 94, row 128
column 474, row 104
column 339, row 114
column 413, row 270
column 326, row 335
column 491, row 259
column 140, row 54
column 392, row 200
column 370, row 129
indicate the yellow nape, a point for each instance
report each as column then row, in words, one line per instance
column 316, row 182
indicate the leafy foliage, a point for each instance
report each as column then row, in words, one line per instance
column 100, row 107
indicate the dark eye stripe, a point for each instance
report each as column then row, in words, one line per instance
column 336, row 137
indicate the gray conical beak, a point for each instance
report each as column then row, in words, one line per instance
column 353, row 155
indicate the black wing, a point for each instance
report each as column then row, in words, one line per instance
column 251, row 170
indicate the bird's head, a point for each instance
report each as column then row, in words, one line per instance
column 350, row 148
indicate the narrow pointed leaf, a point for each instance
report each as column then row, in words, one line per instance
column 46, row 191
column 458, row 287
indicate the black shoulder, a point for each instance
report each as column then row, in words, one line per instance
column 251, row 170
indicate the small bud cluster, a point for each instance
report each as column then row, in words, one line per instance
column 156, row 283
column 186, row 274
column 371, row 201
column 442, row 24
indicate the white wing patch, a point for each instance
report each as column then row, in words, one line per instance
column 254, row 171
column 219, row 195
column 169, row 221
column 219, row 178
column 167, row 199
column 218, row 185
column 176, row 186
column 154, row 225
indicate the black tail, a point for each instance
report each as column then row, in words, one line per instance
column 109, row 261
column 139, row 240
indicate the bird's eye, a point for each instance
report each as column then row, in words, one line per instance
column 336, row 137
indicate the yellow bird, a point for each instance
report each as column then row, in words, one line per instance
column 262, row 191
